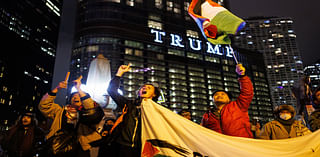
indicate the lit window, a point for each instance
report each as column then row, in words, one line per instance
column 138, row 53
column 154, row 24
column 128, row 51
column 193, row 34
column 158, row 4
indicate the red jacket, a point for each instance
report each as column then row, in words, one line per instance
column 234, row 119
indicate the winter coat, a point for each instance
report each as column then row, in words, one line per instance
column 211, row 120
column 24, row 142
column 234, row 118
column 275, row 130
column 314, row 120
column 86, row 131
column 127, row 129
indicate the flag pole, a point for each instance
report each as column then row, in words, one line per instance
column 234, row 56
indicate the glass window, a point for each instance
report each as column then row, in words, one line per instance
column 128, row 51
column 173, row 6
column 158, row 4
column 133, row 44
column 154, row 24
column 193, row 34
column 194, row 56
column 138, row 53
column 154, row 48
column 175, row 52
column 93, row 48
column 212, row 59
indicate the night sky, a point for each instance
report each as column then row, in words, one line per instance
column 305, row 15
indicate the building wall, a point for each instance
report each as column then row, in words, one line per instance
column 142, row 33
column 276, row 40
column 313, row 71
column 28, row 41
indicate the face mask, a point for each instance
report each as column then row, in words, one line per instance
column 285, row 116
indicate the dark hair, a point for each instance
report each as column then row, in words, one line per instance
column 314, row 93
column 229, row 94
column 157, row 91
column 112, row 119
column 183, row 111
column 70, row 97
column 29, row 114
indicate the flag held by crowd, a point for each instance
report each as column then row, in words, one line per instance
column 214, row 21
column 165, row 133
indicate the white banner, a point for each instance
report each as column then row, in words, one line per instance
column 165, row 133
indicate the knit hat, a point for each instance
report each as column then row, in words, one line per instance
column 229, row 94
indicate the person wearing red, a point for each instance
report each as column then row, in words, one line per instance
column 231, row 117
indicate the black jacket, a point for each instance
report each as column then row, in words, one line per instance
column 314, row 120
column 127, row 130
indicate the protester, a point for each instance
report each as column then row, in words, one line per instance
column 284, row 126
column 185, row 114
column 25, row 139
column 126, row 133
column 231, row 117
column 76, row 121
column 255, row 127
column 314, row 120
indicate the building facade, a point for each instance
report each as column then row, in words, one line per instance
column 313, row 71
column 163, row 45
column 276, row 40
column 28, row 42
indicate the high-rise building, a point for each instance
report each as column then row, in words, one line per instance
column 160, row 38
column 276, row 40
column 313, row 71
column 29, row 30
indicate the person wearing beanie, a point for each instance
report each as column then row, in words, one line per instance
column 126, row 132
column 231, row 117
column 314, row 120
column 25, row 139
column 284, row 126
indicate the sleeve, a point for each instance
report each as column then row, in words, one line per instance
column 314, row 121
column 87, row 102
column 246, row 93
column 204, row 120
column 91, row 116
column 113, row 92
column 47, row 106
column 265, row 133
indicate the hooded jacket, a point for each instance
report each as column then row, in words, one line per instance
column 234, row 118
column 85, row 132
column 276, row 130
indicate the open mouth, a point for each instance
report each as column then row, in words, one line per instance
column 76, row 101
column 144, row 92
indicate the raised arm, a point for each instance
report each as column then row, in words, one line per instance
column 47, row 106
column 246, row 89
column 114, row 86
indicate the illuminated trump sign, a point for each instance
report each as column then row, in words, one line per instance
column 194, row 44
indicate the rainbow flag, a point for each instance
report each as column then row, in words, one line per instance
column 214, row 21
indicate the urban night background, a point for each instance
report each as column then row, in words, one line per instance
column 41, row 41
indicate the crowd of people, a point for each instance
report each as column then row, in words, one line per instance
column 80, row 128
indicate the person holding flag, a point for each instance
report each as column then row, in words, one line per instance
column 125, row 136
column 231, row 117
